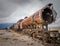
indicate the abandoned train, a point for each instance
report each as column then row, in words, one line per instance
column 42, row 17
column 37, row 25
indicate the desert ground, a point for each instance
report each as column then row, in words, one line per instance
column 12, row 38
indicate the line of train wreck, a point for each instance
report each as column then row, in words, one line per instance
column 37, row 25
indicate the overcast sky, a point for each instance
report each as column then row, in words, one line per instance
column 13, row 10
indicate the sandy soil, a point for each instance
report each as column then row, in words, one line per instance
column 11, row 38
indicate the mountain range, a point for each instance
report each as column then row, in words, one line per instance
column 5, row 25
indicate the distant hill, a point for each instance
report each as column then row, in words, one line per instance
column 54, row 28
column 5, row 25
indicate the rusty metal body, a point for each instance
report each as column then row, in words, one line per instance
column 36, row 18
column 43, row 17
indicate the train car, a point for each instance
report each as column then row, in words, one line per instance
column 39, row 19
column 46, row 15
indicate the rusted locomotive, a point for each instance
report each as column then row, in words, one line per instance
column 37, row 24
column 44, row 16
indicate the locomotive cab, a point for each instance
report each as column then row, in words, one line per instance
column 49, row 14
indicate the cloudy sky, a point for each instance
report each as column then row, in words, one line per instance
column 13, row 10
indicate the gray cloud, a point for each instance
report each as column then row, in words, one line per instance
column 21, row 1
column 6, row 8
